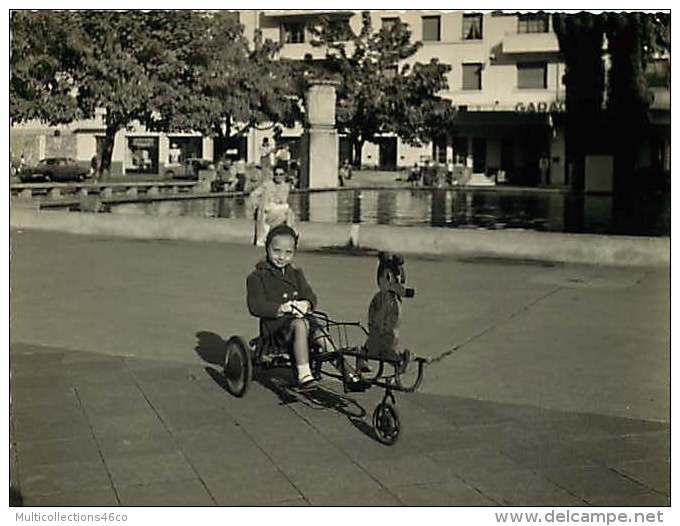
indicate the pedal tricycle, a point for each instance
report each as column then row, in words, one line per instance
column 359, row 365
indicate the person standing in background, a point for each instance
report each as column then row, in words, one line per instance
column 544, row 169
column 266, row 154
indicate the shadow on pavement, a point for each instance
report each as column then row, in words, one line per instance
column 211, row 347
column 280, row 381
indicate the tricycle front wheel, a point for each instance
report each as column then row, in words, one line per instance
column 238, row 367
column 386, row 423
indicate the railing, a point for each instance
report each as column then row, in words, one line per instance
column 106, row 191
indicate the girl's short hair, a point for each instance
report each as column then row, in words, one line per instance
column 281, row 230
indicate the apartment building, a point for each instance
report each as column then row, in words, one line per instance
column 505, row 81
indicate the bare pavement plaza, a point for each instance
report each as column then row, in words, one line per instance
column 550, row 383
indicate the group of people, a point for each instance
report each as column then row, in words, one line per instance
column 274, row 157
column 432, row 173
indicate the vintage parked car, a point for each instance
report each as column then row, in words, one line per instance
column 56, row 169
column 188, row 169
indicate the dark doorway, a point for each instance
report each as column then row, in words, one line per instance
column 479, row 154
column 388, row 153
column 345, row 150
column 460, row 149
column 508, row 157
column 232, row 148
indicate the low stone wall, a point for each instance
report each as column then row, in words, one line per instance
column 570, row 248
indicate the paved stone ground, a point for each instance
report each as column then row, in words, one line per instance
column 113, row 403
column 92, row 429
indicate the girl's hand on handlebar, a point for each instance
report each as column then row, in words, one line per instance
column 286, row 308
column 303, row 307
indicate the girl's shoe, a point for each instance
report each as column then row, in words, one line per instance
column 306, row 381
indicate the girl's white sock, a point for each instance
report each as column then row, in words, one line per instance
column 304, row 371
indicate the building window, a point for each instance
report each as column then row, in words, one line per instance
column 533, row 75
column 472, row 76
column 339, row 30
column 533, row 23
column 472, row 27
column 389, row 22
column 292, row 33
column 431, row 28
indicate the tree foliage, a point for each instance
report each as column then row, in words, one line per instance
column 168, row 70
column 632, row 40
column 228, row 86
column 378, row 93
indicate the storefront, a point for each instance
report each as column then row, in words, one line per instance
column 141, row 155
column 182, row 148
column 527, row 145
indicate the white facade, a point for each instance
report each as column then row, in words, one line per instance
column 505, row 80
column 500, row 50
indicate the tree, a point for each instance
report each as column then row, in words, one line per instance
column 632, row 40
column 377, row 93
column 41, row 52
column 228, row 86
column 580, row 38
column 167, row 70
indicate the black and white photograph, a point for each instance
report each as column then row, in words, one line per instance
column 367, row 257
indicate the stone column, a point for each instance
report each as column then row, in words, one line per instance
column 320, row 140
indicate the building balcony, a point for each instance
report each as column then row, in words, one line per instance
column 305, row 13
column 530, row 43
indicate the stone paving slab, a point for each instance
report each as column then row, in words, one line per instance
column 593, row 481
column 187, row 441
column 132, row 444
column 60, row 424
column 112, row 425
column 655, row 474
column 145, row 469
column 190, row 492
column 101, row 497
column 451, row 493
column 320, row 478
column 248, row 487
column 60, row 451
column 63, row 478
column 521, row 488
column 642, row 499
column 354, row 497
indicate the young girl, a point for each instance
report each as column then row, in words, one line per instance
column 279, row 295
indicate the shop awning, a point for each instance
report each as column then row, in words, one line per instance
column 500, row 118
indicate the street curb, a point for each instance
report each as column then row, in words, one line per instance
column 625, row 251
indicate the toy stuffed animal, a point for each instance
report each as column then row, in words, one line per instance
column 385, row 308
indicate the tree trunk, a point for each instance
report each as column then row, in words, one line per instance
column 628, row 105
column 357, row 147
column 107, row 151
column 580, row 38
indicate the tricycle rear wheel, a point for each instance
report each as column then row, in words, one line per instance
column 238, row 367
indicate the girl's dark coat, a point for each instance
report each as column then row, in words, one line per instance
column 268, row 287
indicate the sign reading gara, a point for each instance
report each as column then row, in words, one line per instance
column 540, row 107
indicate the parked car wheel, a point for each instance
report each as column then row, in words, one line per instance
column 169, row 175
